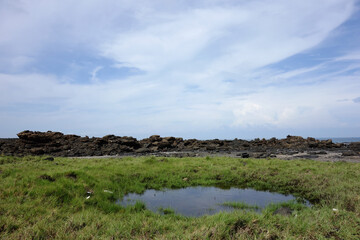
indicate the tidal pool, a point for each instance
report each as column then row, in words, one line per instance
column 198, row 201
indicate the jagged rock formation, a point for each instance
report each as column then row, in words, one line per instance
column 58, row 144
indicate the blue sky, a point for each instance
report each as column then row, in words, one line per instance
column 194, row 69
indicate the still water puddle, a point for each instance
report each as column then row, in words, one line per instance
column 198, row 201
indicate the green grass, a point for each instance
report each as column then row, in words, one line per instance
column 166, row 211
column 240, row 205
column 40, row 199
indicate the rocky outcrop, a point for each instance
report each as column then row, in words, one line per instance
column 156, row 143
column 355, row 146
column 59, row 144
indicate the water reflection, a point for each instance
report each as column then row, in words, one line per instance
column 198, row 201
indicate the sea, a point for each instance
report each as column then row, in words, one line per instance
column 342, row 139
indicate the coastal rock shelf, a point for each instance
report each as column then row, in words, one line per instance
column 59, row 144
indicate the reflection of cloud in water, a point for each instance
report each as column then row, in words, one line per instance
column 197, row 201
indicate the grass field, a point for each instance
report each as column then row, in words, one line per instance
column 42, row 199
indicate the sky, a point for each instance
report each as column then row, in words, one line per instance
column 194, row 69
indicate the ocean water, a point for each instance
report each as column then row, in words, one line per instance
column 342, row 140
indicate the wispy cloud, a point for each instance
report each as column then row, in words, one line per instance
column 176, row 67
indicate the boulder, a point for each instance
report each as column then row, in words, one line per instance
column 40, row 137
column 355, row 146
column 285, row 211
column 349, row 153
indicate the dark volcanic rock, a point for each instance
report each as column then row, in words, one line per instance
column 59, row 144
column 355, row 146
column 285, row 211
column 349, row 153
column 39, row 137
column 321, row 152
column 156, row 143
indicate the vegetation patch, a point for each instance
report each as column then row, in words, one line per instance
column 81, row 202
column 166, row 211
column 47, row 177
column 240, row 205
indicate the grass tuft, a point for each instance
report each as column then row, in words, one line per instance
column 240, row 205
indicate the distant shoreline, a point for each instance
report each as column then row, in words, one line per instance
column 342, row 139
column 334, row 139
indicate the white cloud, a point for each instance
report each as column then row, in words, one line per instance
column 231, row 38
column 306, row 106
column 94, row 72
column 349, row 57
column 201, row 58
column 221, row 35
